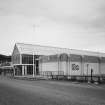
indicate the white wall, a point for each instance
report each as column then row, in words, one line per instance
column 102, row 66
column 53, row 66
column 49, row 66
column 64, row 67
column 68, row 69
column 94, row 66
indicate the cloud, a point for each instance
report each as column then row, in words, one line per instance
column 85, row 13
column 65, row 23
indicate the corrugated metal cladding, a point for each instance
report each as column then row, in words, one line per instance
column 102, row 59
column 75, row 58
column 63, row 57
column 51, row 58
column 91, row 59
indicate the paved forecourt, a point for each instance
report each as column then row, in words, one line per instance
column 44, row 92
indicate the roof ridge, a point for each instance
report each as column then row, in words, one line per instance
column 44, row 46
column 67, row 49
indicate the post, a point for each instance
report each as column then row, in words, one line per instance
column 40, row 66
column 22, row 70
column 87, row 71
column 91, row 75
column 14, row 70
column 99, row 68
column 33, row 66
column 20, row 59
column 25, row 68
column 82, row 68
column 68, row 66
column 58, row 64
column 69, row 69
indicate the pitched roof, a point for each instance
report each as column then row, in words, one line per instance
column 46, row 50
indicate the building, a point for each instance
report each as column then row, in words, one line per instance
column 5, row 65
column 34, row 60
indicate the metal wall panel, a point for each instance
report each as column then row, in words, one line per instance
column 16, row 56
column 91, row 59
column 102, row 59
column 75, row 58
column 64, row 67
column 16, row 59
column 49, row 66
column 63, row 57
column 102, row 67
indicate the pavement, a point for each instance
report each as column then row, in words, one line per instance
column 47, row 92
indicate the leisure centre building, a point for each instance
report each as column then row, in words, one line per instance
column 28, row 59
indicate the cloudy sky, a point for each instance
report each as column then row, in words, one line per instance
column 75, row 24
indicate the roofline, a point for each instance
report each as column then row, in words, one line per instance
column 60, row 48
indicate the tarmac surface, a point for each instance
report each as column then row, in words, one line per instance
column 47, row 92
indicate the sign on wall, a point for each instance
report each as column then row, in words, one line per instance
column 75, row 67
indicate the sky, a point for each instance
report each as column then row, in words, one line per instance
column 73, row 24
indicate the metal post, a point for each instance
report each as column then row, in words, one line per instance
column 14, row 70
column 20, row 59
column 69, row 69
column 67, row 65
column 87, row 71
column 91, row 75
column 40, row 66
column 33, row 66
column 82, row 67
column 23, row 70
column 99, row 68
column 99, row 61
column 58, row 64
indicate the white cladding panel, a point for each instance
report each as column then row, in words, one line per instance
column 49, row 66
column 75, row 68
column 102, row 71
column 63, row 67
column 89, row 66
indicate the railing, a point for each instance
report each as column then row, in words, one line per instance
column 52, row 74
column 60, row 75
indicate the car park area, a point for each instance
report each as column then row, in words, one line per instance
column 50, row 92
